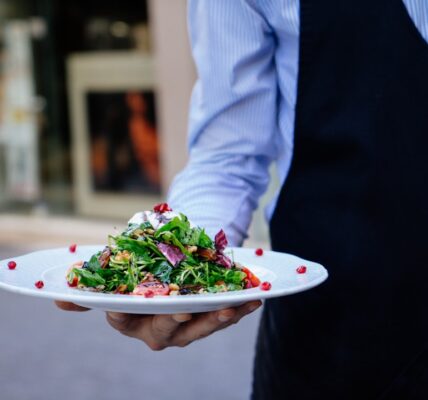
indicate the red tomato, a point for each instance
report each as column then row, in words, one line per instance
column 251, row 277
column 255, row 281
column 247, row 272
column 74, row 282
column 149, row 289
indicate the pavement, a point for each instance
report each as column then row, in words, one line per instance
column 48, row 354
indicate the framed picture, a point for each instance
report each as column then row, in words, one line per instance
column 116, row 148
column 123, row 140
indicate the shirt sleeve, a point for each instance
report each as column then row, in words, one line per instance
column 233, row 117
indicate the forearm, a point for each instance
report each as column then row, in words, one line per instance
column 221, row 193
column 232, row 124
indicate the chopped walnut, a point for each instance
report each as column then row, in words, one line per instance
column 207, row 254
column 191, row 249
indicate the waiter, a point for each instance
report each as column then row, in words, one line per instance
column 335, row 92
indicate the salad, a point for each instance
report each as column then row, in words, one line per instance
column 162, row 253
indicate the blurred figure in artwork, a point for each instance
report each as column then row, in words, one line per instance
column 143, row 137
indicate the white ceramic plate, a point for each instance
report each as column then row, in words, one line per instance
column 50, row 266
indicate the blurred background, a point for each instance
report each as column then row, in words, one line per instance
column 93, row 117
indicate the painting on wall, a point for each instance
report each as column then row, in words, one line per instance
column 116, row 142
column 124, row 144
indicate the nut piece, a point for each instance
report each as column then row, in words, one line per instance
column 191, row 249
column 122, row 255
column 174, row 293
column 174, row 286
column 138, row 232
column 121, row 288
column 207, row 254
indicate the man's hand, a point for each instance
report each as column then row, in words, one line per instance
column 162, row 331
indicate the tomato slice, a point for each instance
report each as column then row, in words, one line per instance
column 251, row 277
column 75, row 280
column 255, row 281
column 150, row 289
column 247, row 272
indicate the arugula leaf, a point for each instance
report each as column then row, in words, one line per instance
column 176, row 224
column 204, row 240
column 88, row 278
column 93, row 264
column 162, row 271
column 132, row 277
column 137, row 246
column 233, row 287
column 234, row 277
column 113, row 278
column 108, row 274
column 197, row 237
column 178, row 232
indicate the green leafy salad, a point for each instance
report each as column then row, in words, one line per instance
column 162, row 253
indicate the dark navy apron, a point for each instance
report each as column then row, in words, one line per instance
column 356, row 200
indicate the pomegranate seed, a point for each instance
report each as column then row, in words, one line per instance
column 265, row 286
column 72, row 248
column 301, row 269
column 259, row 252
column 161, row 208
column 39, row 284
column 149, row 293
column 11, row 264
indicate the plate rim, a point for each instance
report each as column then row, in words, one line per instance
column 95, row 299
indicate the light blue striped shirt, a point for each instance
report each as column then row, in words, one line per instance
column 242, row 107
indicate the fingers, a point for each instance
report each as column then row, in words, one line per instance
column 208, row 323
column 164, row 328
column 124, row 323
column 156, row 331
column 161, row 331
column 66, row 306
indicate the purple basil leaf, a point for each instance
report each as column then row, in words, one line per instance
column 220, row 241
column 223, row 261
column 172, row 253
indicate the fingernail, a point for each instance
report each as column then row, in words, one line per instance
column 118, row 317
column 182, row 317
column 253, row 307
column 222, row 317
